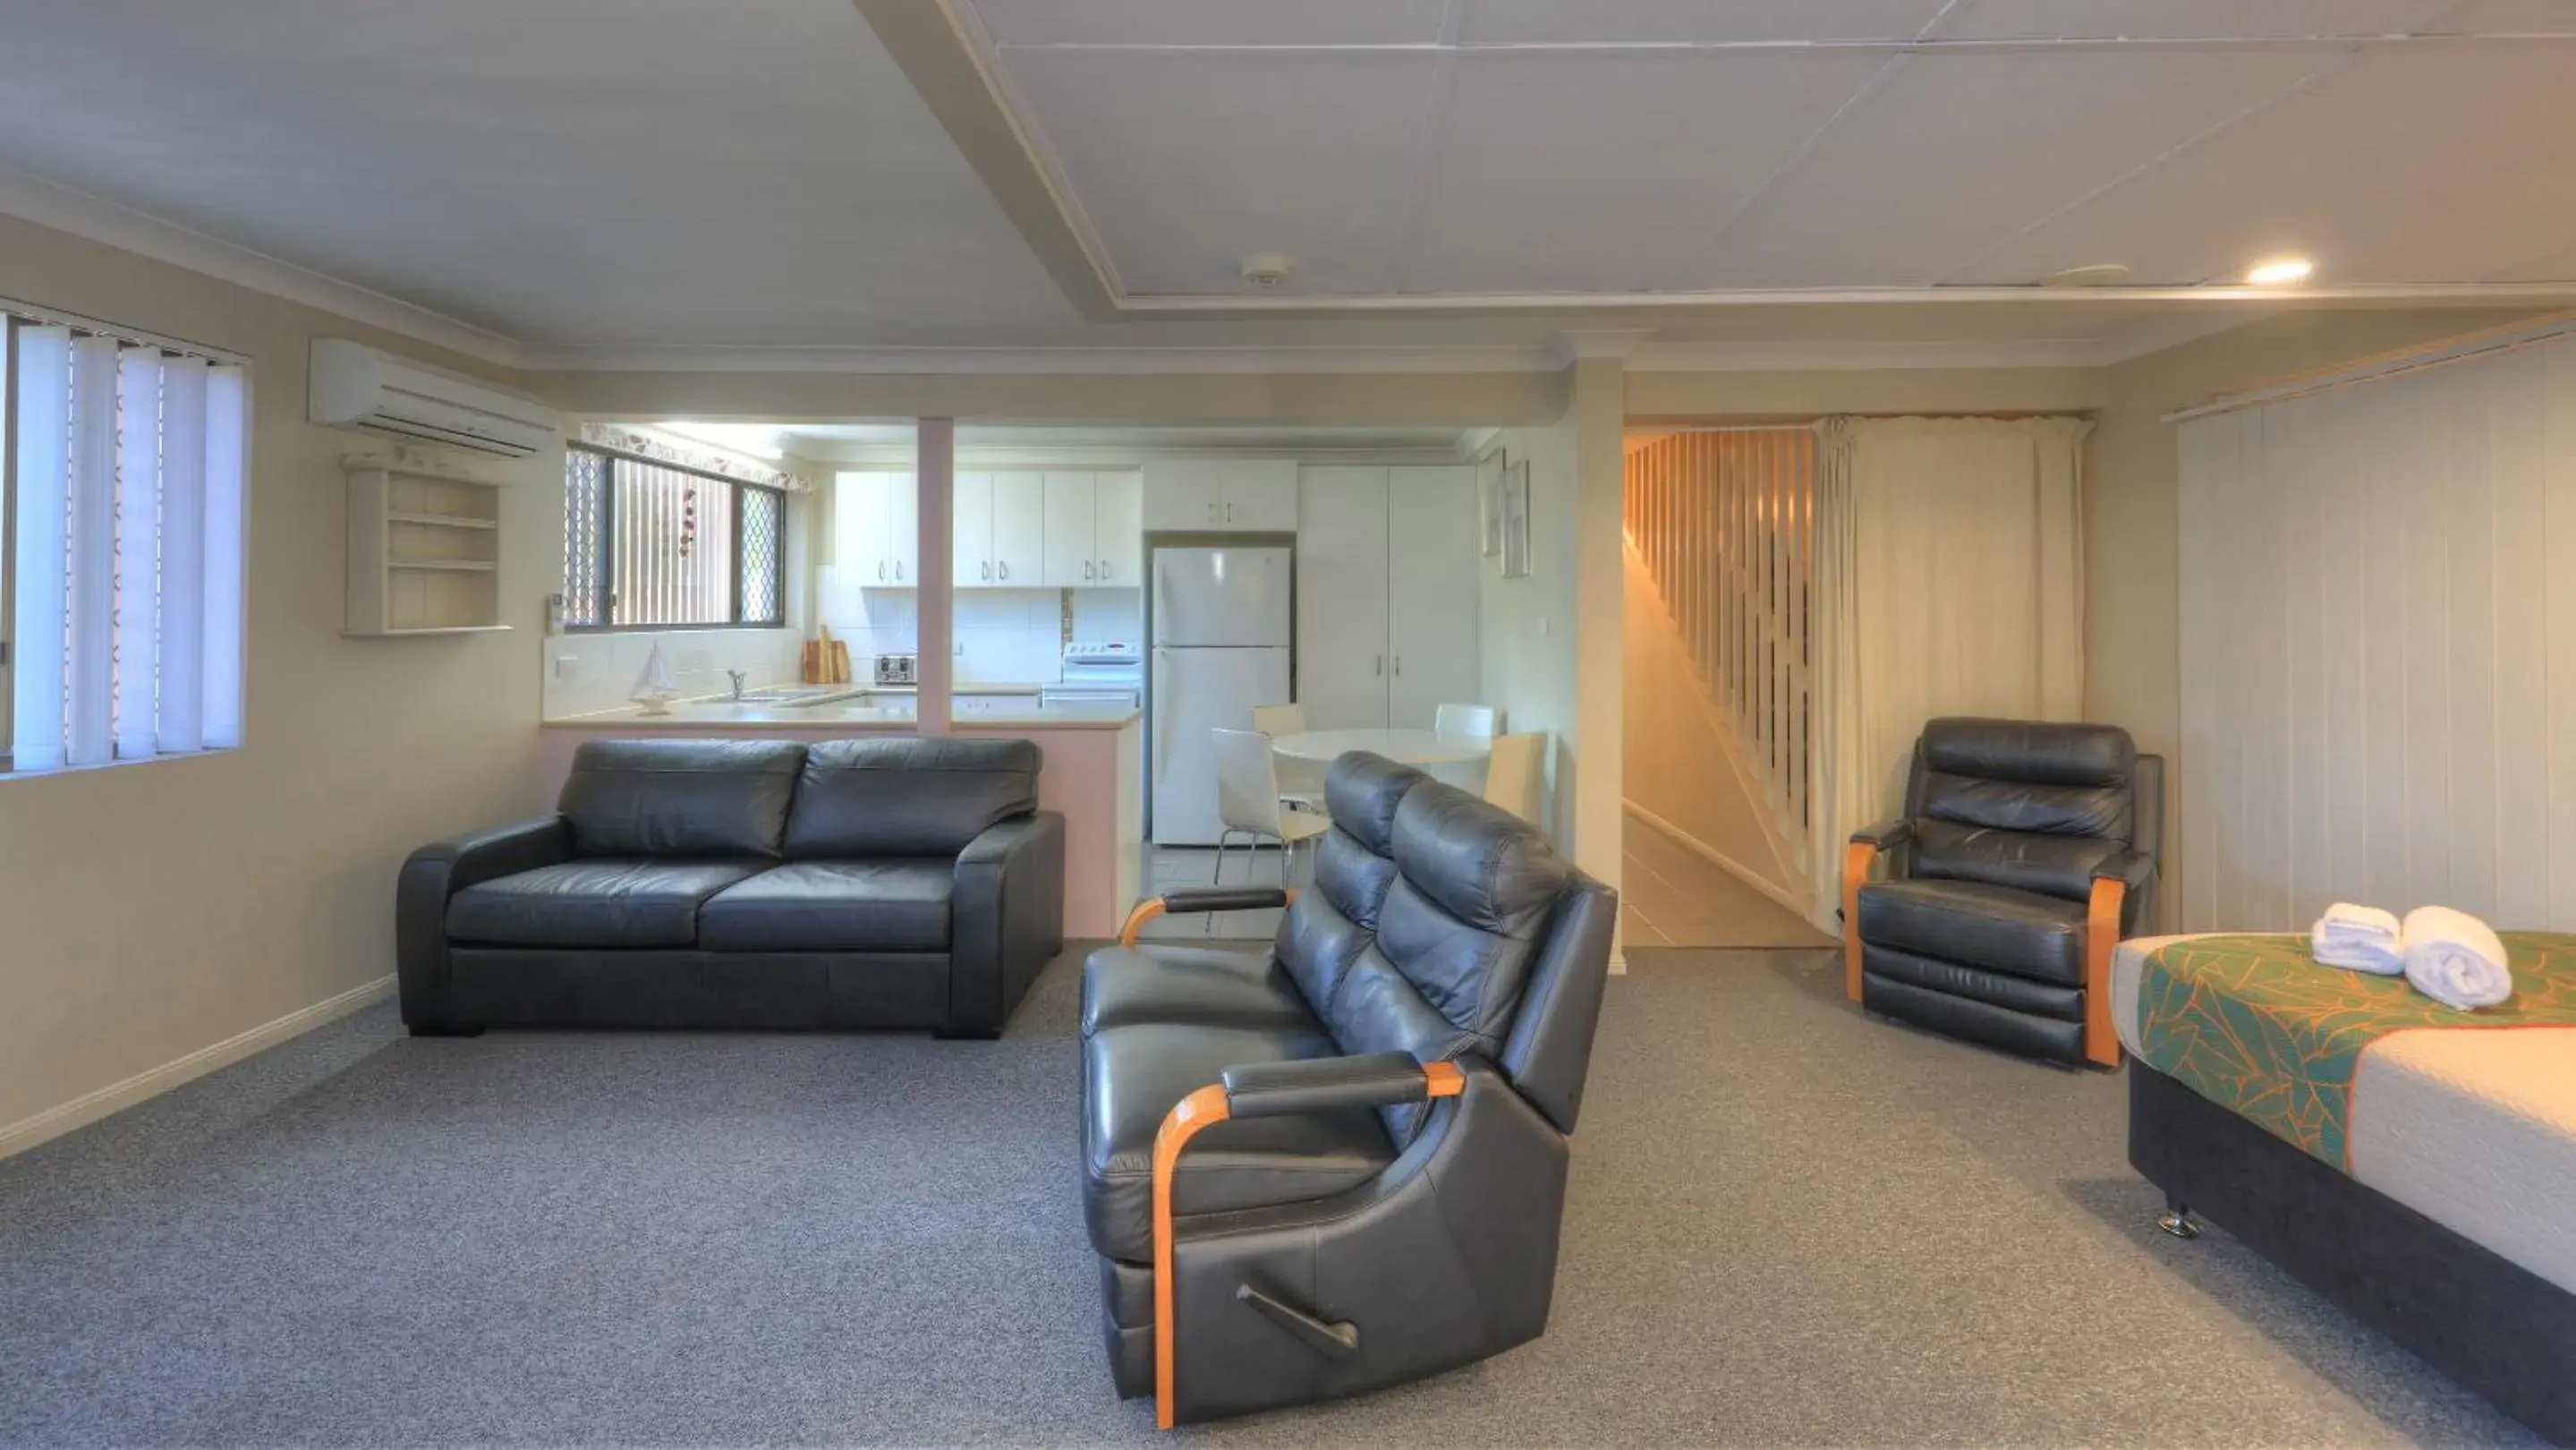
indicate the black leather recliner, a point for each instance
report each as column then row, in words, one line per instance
column 1341, row 1164
column 2025, row 853
column 890, row 881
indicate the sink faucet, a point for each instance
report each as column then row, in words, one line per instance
column 736, row 677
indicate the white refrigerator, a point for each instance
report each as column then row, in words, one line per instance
column 1221, row 646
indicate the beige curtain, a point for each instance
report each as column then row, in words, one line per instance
column 1949, row 581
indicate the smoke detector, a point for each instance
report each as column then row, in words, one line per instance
column 1267, row 271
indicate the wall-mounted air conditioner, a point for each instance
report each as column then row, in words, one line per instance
column 355, row 386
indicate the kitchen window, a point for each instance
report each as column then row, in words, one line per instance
column 650, row 544
column 122, row 474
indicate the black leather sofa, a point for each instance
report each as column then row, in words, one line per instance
column 1375, row 1112
column 879, row 882
column 2026, row 851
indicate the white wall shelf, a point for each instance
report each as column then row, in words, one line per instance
column 424, row 551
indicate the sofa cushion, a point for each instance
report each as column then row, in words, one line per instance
column 1133, row 1075
column 593, row 903
column 908, row 795
column 834, row 906
column 1122, row 986
column 690, row 798
column 1979, row 924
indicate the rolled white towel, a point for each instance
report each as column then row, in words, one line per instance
column 2455, row 959
column 2361, row 938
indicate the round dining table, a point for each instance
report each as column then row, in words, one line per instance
column 1405, row 747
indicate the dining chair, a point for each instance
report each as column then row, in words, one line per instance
column 1512, row 773
column 1466, row 720
column 1247, row 804
column 1301, row 782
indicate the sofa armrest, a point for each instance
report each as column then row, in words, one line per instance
column 436, row 872
column 1191, row 900
column 1885, row 835
column 1007, row 920
column 1321, row 1084
column 2132, row 869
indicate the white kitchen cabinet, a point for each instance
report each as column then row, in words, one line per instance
column 1342, row 598
column 1001, row 530
column 1257, row 495
column 1433, row 551
column 1181, row 495
column 1019, row 530
column 1118, row 528
column 971, row 531
column 1386, row 594
column 875, row 529
column 1071, row 562
column 1203, row 495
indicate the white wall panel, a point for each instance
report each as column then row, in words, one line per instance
column 2378, row 660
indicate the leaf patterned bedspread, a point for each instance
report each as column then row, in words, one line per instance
column 2254, row 1024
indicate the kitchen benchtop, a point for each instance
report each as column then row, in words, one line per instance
column 967, row 712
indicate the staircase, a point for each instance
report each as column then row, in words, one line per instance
column 1724, row 523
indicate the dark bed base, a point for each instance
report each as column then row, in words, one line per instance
column 2495, row 1327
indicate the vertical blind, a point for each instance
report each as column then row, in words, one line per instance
column 126, row 554
column 2378, row 651
column 648, row 544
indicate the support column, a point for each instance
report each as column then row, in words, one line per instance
column 934, row 605
column 1599, row 413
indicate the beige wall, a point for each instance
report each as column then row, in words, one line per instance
column 1525, row 626
column 2132, row 607
column 155, row 910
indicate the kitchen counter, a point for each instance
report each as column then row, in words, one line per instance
column 966, row 712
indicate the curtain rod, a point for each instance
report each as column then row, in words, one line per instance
column 2403, row 362
column 1808, row 427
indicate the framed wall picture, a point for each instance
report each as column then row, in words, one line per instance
column 1489, row 502
column 1516, row 520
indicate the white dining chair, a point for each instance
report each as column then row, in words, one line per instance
column 1301, row 783
column 1247, row 804
column 1481, row 720
column 1512, row 773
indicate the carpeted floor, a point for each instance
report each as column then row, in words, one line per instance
column 1789, row 1225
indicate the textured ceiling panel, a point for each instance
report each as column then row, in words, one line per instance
column 1958, row 152
column 757, row 171
column 1210, row 22
column 2405, row 166
column 2170, row 19
column 1608, row 172
column 1186, row 162
column 1491, row 22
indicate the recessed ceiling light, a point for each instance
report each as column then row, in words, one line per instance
column 2097, row 274
column 2279, row 272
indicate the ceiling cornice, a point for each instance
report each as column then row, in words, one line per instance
column 64, row 209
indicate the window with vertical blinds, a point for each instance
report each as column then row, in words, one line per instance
column 126, row 461
column 652, row 545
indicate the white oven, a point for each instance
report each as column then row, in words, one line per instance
column 1110, row 672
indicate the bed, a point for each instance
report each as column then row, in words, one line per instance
column 2415, row 1164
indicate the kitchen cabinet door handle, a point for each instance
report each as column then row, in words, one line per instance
column 1005, row 567
column 1104, row 568
column 987, row 571
column 881, row 575
column 898, row 571
column 1086, row 568
column 1399, row 665
column 1380, row 667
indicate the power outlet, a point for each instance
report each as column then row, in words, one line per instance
column 567, row 667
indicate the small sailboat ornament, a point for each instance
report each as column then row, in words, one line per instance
column 654, row 688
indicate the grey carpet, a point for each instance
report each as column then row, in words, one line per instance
column 1789, row 1225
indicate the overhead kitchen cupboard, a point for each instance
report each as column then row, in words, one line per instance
column 1221, row 495
column 1000, row 531
column 1094, row 538
column 876, row 529
column 1386, row 594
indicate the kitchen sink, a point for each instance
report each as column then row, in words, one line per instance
column 796, row 697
